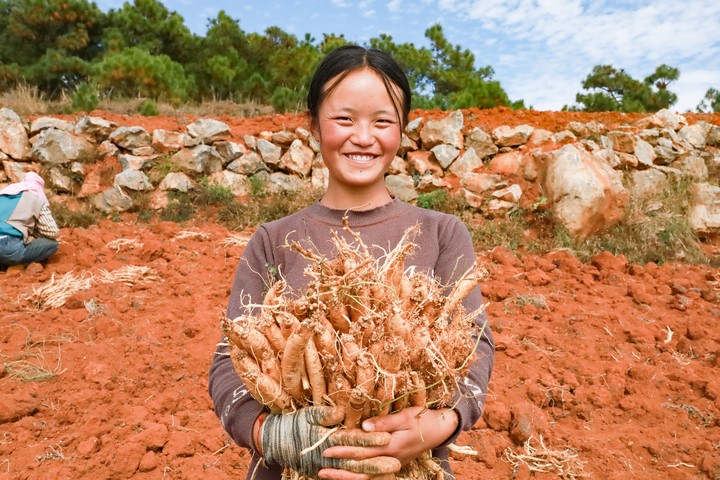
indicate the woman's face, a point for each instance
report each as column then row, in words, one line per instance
column 359, row 134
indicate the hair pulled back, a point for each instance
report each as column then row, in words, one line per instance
column 344, row 60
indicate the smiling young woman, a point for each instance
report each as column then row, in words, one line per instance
column 358, row 105
column 359, row 137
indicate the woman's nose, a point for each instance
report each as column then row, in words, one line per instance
column 362, row 135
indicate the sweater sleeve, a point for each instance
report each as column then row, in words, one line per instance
column 456, row 256
column 234, row 406
column 46, row 226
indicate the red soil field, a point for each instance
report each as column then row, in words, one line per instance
column 612, row 366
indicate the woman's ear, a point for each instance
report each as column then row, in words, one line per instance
column 314, row 126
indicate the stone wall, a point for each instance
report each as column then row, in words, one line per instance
column 580, row 170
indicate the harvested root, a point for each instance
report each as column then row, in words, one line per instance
column 364, row 335
column 54, row 293
column 564, row 463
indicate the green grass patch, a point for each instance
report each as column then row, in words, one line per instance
column 65, row 217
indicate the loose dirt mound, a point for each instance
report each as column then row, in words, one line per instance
column 605, row 370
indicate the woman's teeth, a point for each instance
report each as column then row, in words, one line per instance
column 361, row 158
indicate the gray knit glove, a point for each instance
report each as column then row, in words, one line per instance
column 284, row 437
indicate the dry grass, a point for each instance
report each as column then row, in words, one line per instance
column 190, row 234
column 235, row 240
column 120, row 243
column 54, row 293
column 25, row 100
column 564, row 463
column 129, row 275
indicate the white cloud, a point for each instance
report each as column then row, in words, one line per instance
column 369, row 13
column 546, row 47
column 340, row 3
column 394, row 5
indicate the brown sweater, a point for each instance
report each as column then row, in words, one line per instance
column 444, row 247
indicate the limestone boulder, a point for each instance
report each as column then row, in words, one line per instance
column 199, row 159
column 505, row 136
column 59, row 147
column 133, row 180
column 43, row 123
column 297, row 159
column 481, row 142
column 14, row 140
column 466, row 163
column 164, row 141
column 480, row 182
column 269, row 152
column 402, row 186
column 247, row 164
column 95, row 128
column 130, row 137
column 112, row 200
column 445, row 131
column 237, row 183
column 586, row 193
column 704, row 215
column 177, row 181
column 445, row 154
column 207, row 131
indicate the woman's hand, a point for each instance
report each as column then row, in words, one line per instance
column 298, row 439
column 413, row 431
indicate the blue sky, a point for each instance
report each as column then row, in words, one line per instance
column 541, row 50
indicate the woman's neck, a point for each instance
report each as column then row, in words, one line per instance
column 358, row 200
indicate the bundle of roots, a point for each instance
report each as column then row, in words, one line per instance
column 365, row 335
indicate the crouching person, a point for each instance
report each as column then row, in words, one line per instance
column 28, row 230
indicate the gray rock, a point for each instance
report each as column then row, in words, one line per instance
column 481, row 142
column 402, row 186
column 58, row 147
column 298, row 159
column 96, row 128
column 199, row 159
column 237, row 183
column 693, row 135
column 60, row 183
column 43, row 123
column 269, row 152
column 278, row 182
column 446, row 131
column 130, row 137
column 14, row 140
column 167, row 141
column 648, row 183
column 177, row 181
column 704, row 215
column 586, row 193
column 622, row 141
column 693, row 166
column 505, row 136
column 511, row 194
column 248, row 164
column 229, row 151
column 467, row 162
column 135, row 162
column 208, row 130
column 413, row 129
column 480, row 182
column 670, row 119
column 566, row 136
column 133, row 180
column 283, row 138
column 112, row 200
column 644, row 152
column 15, row 171
column 445, row 154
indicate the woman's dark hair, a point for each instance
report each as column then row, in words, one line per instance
column 348, row 58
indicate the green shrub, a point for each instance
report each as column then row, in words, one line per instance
column 65, row 217
column 85, row 99
column 148, row 108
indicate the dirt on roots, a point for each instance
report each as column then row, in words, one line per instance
column 604, row 370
